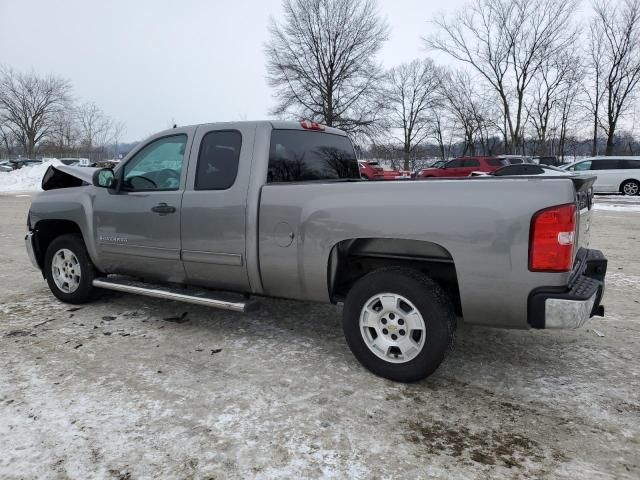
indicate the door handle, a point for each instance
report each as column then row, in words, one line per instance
column 163, row 209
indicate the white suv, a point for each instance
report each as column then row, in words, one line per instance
column 614, row 174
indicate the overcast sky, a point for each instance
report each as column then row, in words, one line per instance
column 149, row 63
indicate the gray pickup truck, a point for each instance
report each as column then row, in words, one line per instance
column 224, row 213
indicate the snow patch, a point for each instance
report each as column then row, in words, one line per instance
column 26, row 179
column 620, row 207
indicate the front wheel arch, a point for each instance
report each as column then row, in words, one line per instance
column 47, row 231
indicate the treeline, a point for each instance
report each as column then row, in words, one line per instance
column 525, row 77
column 38, row 115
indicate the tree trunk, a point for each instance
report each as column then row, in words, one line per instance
column 594, row 146
column 406, row 158
column 610, row 143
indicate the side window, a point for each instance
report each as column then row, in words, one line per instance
column 471, row 162
column 218, row 160
column 579, row 167
column 495, row 162
column 157, row 166
column 629, row 164
column 608, row 164
column 455, row 163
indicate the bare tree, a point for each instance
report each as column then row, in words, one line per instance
column 505, row 42
column 321, row 61
column 29, row 105
column 65, row 133
column 410, row 92
column 594, row 85
column 95, row 127
column 442, row 127
column 617, row 27
column 557, row 74
column 117, row 130
column 467, row 104
column 7, row 139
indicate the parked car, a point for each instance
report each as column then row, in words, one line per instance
column 6, row 166
column 24, row 162
column 463, row 166
column 524, row 169
column 278, row 209
column 552, row 160
column 394, row 174
column 614, row 174
column 515, row 159
column 370, row 170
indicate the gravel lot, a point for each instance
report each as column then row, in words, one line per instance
column 130, row 387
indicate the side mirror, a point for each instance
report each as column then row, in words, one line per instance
column 104, row 178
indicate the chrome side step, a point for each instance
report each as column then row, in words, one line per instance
column 198, row 296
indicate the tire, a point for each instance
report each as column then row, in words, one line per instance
column 68, row 269
column 630, row 187
column 369, row 326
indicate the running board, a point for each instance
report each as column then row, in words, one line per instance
column 199, row 296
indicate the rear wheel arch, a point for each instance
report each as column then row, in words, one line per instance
column 385, row 310
column 352, row 259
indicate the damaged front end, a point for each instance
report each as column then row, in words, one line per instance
column 64, row 176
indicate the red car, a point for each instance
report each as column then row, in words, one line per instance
column 393, row 174
column 463, row 166
column 371, row 170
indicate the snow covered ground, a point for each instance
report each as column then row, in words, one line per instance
column 130, row 387
column 617, row 203
column 26, row 179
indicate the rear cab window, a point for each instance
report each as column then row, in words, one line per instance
column 300, row 156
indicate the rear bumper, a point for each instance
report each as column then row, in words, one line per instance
column 573, row 305
column 31, row 252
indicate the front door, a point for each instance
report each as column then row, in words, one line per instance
column 137, row 225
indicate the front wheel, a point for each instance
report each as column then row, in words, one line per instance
column 630, row 187
column 68, row 269
column 398, row 323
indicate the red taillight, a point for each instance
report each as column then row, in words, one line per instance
column 308, row 125
column 552, row 239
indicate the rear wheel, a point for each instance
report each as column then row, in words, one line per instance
column 398, row 323
column 630, row 187
column 69, row 270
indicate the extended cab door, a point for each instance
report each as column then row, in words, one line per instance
column 214, row 206
column 137, row 225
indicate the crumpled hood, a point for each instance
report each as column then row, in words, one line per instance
column 65, row 176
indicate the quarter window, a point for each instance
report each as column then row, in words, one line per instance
column 218, row 160
column 629, row 164
column 158, row 166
